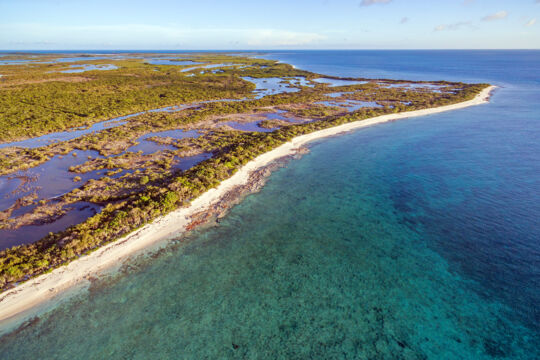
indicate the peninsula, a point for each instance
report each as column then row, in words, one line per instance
column 104, row 155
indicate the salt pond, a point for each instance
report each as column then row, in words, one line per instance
column 350, row 105
column 149, row 147
column 48, row 180
column 186, row 163
column 273, row 86
column 89, row 67
column 71, row 134
column 75, row 214
column 339, row 82
column 169, row 62
column 210, row 66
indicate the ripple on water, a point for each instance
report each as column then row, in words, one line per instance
column 341, row 274
column 408, row 240
column 339, row 82
column 74, row 214
column 89, row 67
column 48, row 180
column 273, row 86
column 150, row 147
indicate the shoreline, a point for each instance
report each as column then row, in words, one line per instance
column 16, row 304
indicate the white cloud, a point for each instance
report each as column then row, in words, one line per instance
column 373, row 2
column 497, row 16
column 454, row 26
column 282, row 38
column 155, row 36
column 532, row 21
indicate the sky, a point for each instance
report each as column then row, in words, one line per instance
column 275, row 24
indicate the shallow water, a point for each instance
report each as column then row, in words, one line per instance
column 153, row 61
column 267, row 86
column 149, row 147
column 89, row 67
column 84, row 58
column 15, row 62
column 246, row 126
column 254, row 126
column 48, row 139
column 53, row 179
column 433, row 87
column 342, row 273
column 350, row 105
column 211, row 66
column 280, row 115
column 71, row 134
column 413, row 239
column 273, row 86
column 50, row 179
column 169, row 62
column 338, row 82
column 301, row 81
column 47, row 181
column 338, row 94
column 75, row 214
column 187, row 162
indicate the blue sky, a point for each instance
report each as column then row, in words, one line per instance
column 275, row 24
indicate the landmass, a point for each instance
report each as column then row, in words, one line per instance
column 101, row 156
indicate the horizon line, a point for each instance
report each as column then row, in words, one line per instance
column 270, row 49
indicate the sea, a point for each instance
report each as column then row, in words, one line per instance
column 415, row 239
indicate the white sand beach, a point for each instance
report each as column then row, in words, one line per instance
column 20, row 302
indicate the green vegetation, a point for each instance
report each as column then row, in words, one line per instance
column 37, row 99
column 35, row 102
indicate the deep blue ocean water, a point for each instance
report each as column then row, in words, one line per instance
column 416, row 239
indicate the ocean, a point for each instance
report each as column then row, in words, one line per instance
column 415, row 239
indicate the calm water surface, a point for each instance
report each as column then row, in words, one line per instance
column 417, row 239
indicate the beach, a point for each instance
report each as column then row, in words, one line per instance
column 16, row 304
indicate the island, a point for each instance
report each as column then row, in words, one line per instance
column 102, row 155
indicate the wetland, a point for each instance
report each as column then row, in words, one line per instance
column 94, row 147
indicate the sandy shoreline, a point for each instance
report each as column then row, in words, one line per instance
column 17, row 304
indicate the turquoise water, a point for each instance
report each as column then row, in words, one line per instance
column 417, row 239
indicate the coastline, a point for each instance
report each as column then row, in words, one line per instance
column 17, row 302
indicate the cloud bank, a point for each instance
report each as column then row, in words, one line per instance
column 497, row 16
column 373, row 2
column 454, row 26
column 157, row 36
column 531, row 22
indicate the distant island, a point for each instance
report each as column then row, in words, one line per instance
column 97, row 148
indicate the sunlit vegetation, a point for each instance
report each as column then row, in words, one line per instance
column 37, row 99
column 136, row 188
